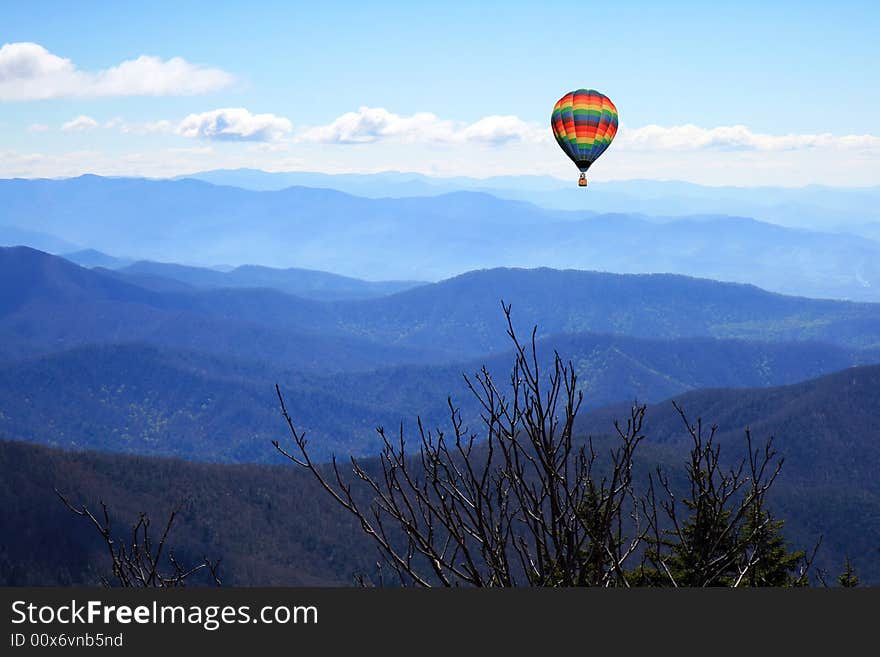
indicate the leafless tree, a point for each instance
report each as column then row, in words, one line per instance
column 139, row 562
column 717, row 533
column 521, row 505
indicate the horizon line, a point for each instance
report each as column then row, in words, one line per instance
column 441, row 177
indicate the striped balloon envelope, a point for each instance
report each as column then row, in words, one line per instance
column 584, row 122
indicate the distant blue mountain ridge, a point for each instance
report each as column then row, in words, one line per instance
column 813, row 206
column 425, row 238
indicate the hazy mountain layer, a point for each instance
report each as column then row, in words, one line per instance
column 434, row 237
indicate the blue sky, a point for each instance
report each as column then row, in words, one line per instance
column 740, row 93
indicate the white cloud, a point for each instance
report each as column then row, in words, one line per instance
column 80, row 124
column 142, row 128
column 146, row 128
column 234, row 124
column 231, row 124
column 690, row 137
column 30, row 72
column 371, row 124
column 37, row 127
column 503, row 129
column 152, row 76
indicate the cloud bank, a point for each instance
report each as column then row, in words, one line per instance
column 690, row 137
column 373, row 124
column 30, row 72
column 235, row 137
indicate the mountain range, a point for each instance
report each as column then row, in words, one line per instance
column 272, row 526
column 426, row 238
column 93, row 359
column 459, row 318
column 815, row 206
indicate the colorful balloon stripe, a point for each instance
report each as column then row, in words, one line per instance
column 584, row 123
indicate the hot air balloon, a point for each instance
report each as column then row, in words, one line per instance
column 584, row 122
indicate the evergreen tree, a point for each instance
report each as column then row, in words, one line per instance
column 767, row 560
column 848, row 579
column 700, row 555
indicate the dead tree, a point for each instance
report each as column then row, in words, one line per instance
column 720, row 532
column 518, row 504
column 139, row 562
